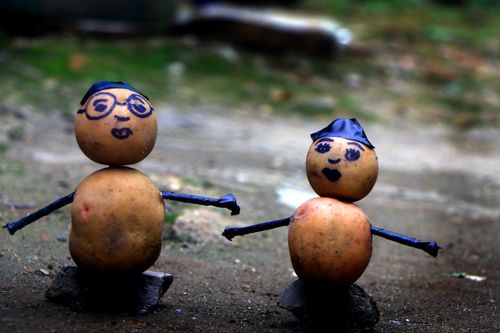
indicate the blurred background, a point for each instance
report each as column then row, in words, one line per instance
column 238, row 87
column 422, row 60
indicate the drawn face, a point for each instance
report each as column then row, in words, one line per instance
column 341, row 168
column 116, row 126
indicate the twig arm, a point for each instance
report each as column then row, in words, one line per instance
column 230, row 233
column 227, row 201
column 16, row 225
column 431, row 248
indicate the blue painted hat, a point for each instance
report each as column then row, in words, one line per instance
column 102, row 85
column 344, row 128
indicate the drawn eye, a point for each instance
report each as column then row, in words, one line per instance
column 323, row 148
column 351, row 154
column 139, row 106
column 100, row 105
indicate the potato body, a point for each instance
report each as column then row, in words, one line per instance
column 116, row 127
column 116, row 222
column 330, row 242
column 341, row 168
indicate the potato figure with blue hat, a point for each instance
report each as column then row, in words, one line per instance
column 117, row 213
column 341, row 163
column 330, row 237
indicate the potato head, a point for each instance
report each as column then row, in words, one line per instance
column 115, row 125
column 339, row 167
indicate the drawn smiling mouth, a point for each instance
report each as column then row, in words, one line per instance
column 331, row 174
column 121, row 133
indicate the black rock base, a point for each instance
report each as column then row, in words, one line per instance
column 82, row 291
column 320, row 309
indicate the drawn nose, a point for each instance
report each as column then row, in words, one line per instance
column 334, row 161
column 121, row 118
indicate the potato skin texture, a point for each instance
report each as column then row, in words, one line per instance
column 357, row 177
column 330, row 242
column 117, row 221
column 95, row 139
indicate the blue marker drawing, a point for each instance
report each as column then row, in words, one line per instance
column 139, row 106
column 351, row 154
column 332, row 175
column 323, row 148
column 122, row 133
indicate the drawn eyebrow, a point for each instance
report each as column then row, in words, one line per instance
column 323, row 140
column 357, row 145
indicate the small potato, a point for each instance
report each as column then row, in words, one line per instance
column 117, row 221
column 330, row 242
column 341, row 168
column 116, row 126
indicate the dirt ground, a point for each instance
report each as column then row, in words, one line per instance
column 434, row 184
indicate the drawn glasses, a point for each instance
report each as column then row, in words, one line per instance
column 101, row 104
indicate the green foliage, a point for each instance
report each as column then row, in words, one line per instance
column 16, row 132
column 3, row 148
column 12, row 168
column 170, row 217
column 52, row 73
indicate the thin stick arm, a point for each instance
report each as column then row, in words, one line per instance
column 226, row 201
column 16, row 225
column 431, row 248
column 230, row 233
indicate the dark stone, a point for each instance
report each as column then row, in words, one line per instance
column 321, row 309
column 83, row 291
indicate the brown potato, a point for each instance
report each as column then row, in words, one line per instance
column 117, row 221
column 330, row 242
column 116, row 127
column 341, row 168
